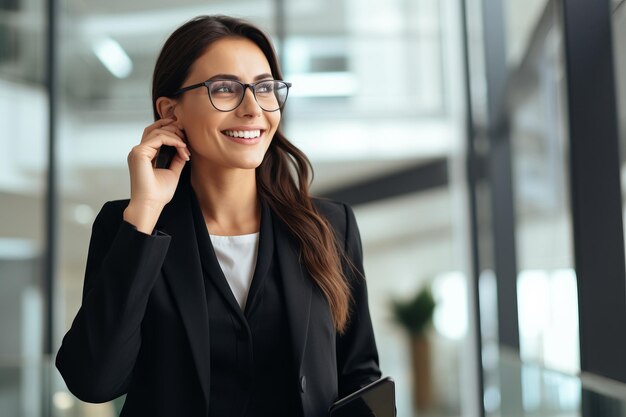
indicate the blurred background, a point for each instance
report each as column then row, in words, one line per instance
column 480, row 142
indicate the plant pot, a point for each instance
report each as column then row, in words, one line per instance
column 422, row 378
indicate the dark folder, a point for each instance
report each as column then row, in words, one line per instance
column 377, row 399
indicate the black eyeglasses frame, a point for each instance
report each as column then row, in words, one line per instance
column 251, row 86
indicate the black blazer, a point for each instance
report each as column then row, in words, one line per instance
column 143, row 325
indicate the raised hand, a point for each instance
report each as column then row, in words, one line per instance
column 152, row 188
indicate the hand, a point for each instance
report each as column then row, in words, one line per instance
column 152, row 188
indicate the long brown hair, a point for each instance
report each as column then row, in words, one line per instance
column 284, row 175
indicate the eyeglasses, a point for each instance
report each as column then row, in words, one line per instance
column 227, row 95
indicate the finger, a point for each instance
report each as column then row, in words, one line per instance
column 177, row 165
column 148, row 150
column 163, row 137
column 183, row 153
column 141, row 153
column 156, row 125
column 175, row 129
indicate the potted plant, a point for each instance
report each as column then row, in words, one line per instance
column 415, row 316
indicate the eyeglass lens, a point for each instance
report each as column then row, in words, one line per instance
column 226, row 95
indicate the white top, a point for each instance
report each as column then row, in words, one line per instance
column 237, row 257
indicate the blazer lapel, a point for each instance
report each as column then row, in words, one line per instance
column 183, row 271
column 297, row 285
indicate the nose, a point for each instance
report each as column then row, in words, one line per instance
column 249, row 106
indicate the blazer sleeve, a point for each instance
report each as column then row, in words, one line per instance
column 357, row 356
column 97, row 355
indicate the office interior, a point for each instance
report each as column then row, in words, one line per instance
column 481, row 143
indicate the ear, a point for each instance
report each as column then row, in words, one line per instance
column 165, row 107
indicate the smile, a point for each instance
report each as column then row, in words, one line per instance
column 247, row 134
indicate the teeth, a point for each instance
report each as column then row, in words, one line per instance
column 248, row 134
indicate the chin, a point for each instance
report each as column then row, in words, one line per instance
column 247, row 164
column 250, row 161
column 252, row 165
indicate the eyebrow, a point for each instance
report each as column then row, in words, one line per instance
column 236, row 78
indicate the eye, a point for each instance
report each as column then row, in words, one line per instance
column 223, row 88
column 265, row 88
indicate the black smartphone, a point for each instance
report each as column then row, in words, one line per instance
column 377, row 399
column 165, row 156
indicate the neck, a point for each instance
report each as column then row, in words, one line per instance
column 228, row 199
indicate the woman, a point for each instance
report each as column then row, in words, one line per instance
column 221, row 287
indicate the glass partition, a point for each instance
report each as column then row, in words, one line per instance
column 547, row 392
column 619, row 41
column 538, row 129
column 23, row 115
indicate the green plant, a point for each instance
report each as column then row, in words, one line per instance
column 415, row 314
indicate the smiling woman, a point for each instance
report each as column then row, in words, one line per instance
column 221, row 287
column 206, row 123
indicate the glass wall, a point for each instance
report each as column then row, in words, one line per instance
column 529, row 71
column 547, row 299
column 619, row 40
column 23, row 115
column 546, row 283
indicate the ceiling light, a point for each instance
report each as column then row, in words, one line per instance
column 113, row 57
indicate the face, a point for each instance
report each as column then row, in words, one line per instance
column 215, row 137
